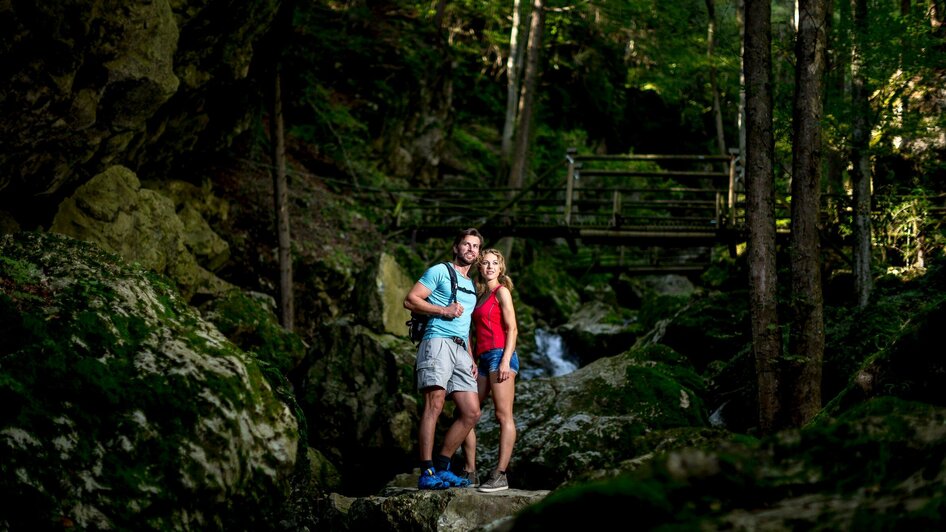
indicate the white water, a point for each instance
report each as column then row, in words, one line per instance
column 552, row 349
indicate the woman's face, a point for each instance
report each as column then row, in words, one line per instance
column 490, row 267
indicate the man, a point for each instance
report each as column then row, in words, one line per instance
column 444, row 364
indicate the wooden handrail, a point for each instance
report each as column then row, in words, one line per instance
column 652, row 157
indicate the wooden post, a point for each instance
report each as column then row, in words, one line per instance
column 731, row 199
column 720, row 211
column 616, row 208
column 569, row 183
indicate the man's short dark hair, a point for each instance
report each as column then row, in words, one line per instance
column 465, row 233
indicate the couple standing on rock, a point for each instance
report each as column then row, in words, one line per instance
column 445, row 366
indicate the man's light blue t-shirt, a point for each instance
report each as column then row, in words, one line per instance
column 437, row 279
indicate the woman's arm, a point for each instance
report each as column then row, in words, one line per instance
column 506, row 306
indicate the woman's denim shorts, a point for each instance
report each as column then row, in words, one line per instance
column 489, row 361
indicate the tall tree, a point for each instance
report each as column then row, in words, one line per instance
column 513, row 69
column 801, row 382
column 281, row 204
column 714, row 85
column 741, row 116
column 523, row 128
column 860, row 158
column 760, row 196
column 527, row 97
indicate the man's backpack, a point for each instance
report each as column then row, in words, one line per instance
column 417, row 325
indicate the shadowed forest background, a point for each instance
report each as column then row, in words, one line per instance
column 212, row 212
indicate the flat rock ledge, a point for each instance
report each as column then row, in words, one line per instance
column 450, row 510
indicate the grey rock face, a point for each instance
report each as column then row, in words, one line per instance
column 123, row 408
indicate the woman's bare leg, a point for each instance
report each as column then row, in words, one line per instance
column 503, row 395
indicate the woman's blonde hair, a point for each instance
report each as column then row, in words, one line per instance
column 503, row 279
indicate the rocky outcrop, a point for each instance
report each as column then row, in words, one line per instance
column 878, row 467
column 123, row 409
column 452, row 510
column 597, row 330
column 143, row 226
column 393, row 284
column 595, row 417
column 99, row 82
column 358, row 387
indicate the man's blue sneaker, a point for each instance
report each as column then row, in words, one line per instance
column 452, row 481
column 430, row 481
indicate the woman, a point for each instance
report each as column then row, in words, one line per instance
column 494, row 318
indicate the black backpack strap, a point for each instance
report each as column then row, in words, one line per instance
column 453, row 282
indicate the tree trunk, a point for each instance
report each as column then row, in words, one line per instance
column 802, row 383
column 760, row 196
column 835, row 208
column 860, row 157
column 523, row 129
column 714, row 86
column 741, row 116
column 281, row 204
column 523, row 135
column 513, row 68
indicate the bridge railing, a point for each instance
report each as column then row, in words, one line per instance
column 681, row 191
column 605, row 195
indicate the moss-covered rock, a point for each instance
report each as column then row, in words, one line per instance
column 249, row 321
column 113, row 211
column 907, row 369
column 595, row 417
column 597, row 330
column 123, row 409
column 708, row 327
column 357, row 389
column 880, row 467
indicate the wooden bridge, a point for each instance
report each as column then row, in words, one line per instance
column 603, row 206
column 644, row 213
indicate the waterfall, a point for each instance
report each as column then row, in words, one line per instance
column 552, row 357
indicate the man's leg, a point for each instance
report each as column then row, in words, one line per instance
column 469, row 444
column 468, row 406
column 469, row 451
column 433, row 405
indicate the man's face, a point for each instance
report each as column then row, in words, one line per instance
column 468, row 250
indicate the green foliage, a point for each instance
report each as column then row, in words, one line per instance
column 725, row 271
column 543, row 285
column 481, row 160
column 854, row 336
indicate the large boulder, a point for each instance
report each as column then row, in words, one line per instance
column 597, row 330
column 453, row 510
column 392, row 285
column 880, row 466
column 357, row 388
column 595, row 417
column 123, row 409
column 142, row 225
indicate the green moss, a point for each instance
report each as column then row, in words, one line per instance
column 879, row 443
column 71, row 377
column 544, row 286
column 598, row 504
column 247, row 322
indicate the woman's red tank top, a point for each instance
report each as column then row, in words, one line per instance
column 488, row 319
